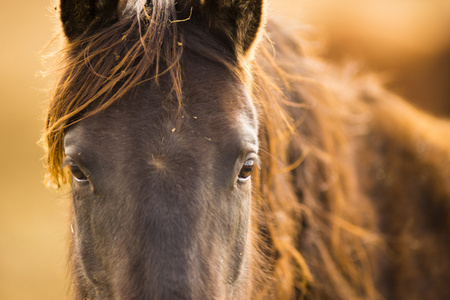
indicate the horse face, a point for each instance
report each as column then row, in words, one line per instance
column 161, row 198
column 162, row 190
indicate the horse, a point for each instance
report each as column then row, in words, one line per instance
column 211, row 157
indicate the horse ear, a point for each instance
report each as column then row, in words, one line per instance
column 237, row 21
column 78, row 16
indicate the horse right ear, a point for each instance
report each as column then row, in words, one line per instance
column 236, row 21
column 79, row 16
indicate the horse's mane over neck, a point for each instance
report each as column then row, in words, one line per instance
column 307, row 186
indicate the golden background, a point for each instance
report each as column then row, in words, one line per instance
column 407, row 41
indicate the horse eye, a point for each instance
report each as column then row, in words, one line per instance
column 246, row 170
column 76, row 172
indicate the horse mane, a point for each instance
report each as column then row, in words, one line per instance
column 308, row 118
column 312, row 240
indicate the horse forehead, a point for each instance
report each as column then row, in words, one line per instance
column 147, row 128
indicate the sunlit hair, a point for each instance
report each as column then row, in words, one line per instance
column 307, row 178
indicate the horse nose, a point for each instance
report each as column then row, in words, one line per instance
column 165, row 260
column 144, row 279
column 162, row 280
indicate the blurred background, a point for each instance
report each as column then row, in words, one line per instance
column 406, row 41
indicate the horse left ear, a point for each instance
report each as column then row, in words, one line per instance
column 79, row 16
column 236, row 21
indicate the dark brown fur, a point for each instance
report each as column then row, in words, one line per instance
column 353, row 197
